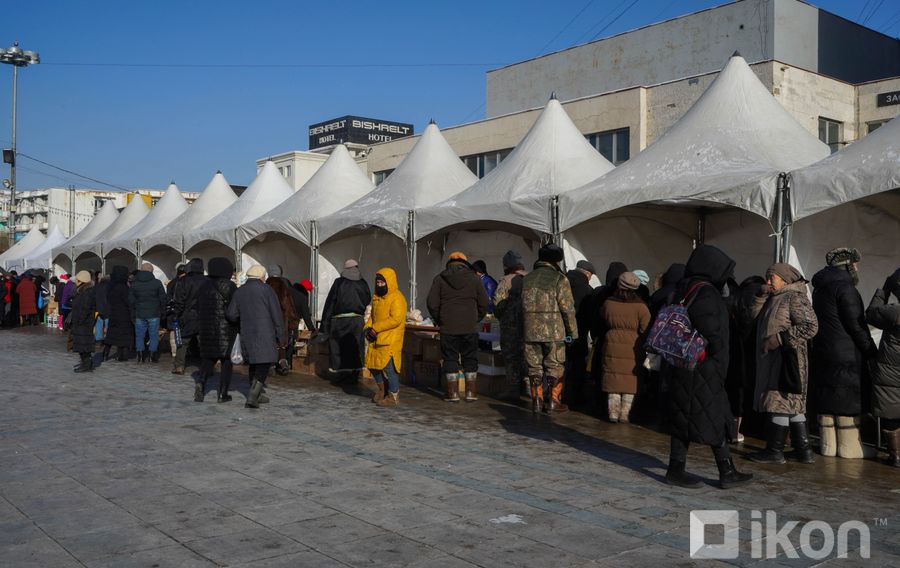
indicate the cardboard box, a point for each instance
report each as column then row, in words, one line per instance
column 305, row 365
column 412, row 343
column 426, row 374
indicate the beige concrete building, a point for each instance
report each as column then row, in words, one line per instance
column 625, row 91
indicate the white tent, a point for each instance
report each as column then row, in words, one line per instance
column 850, row 199
column 11, row 259
column 42, row 256
column 723, row 158
column 374, row 229
column 267, row 191
column 272, row 237
column 130, row 216
column 101, row 221
column 170, row 206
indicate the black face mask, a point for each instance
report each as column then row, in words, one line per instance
column 381, row 289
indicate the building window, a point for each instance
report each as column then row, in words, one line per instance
column 831, row 132
column 285, row 172
column 874, row 125
column 381, row 176
column 615, row 145
column 482, row 164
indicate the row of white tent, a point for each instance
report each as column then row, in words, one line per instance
column 737, row 170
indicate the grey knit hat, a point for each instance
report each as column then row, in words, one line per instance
column 512, row 259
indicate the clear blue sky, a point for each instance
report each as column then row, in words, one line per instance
column 144, row 126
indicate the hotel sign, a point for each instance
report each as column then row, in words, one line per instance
column 888, row 99
column 356, row 130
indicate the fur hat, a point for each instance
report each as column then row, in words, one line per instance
column 842, row 256
column 83, row 277
column 628, row 281
column 512, row 259
column 220, row 267
column 256, row 271
column 550, row 253
column 458, row 256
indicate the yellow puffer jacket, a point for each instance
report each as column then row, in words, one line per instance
column 388, row 319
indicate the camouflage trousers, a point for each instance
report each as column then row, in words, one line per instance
column 545, row 359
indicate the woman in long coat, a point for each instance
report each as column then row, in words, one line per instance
column 626, row 318
column 120, row 333
column 216, row 334
column 886, row 379
column 255, row 307
column 27, row 299
column 81, row 319
column 785, row 324
column 699, row 408
column 289, row 319
column 384, row 331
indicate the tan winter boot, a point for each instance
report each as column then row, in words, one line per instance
column 379, row 392
column 452, row 388
column 827, row 435
column 471, row 387
column 849, row 446
column 627, row 401
column 536, row 385
column 390, row 399
column 614, row 405
column 893, row 444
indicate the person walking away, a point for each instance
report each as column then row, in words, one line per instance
column 741, row 379
column 52, row 301
column 65, row 305
column 184, row 310
column 302, row 290
column 457, row 302
column 384, row 331
column 27, row 299
column 290, row 321
column 490, row 285
column 216, row 334
column 576, row 354
column 101, row 326
column 589, row 312
column 785, row 324
column 549, row 312
column 699, row 411
column 84, row 306
column 343, row 319
column 254, row 306
column 148, row 300
column 886, row 376
column 842, row 351
column 626, row 318
column 180, row 274
column 508, row 308
column 120, row 333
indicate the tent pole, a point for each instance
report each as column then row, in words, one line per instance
column 701, row 226
column 413, row 251
column 102, row 260
column 554, row 220
column 183, row 257
column 787, row 220
column 779, row 217
column 314, row 268
column 237, row 253
column 139, row 256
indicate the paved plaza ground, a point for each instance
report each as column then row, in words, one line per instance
column 120, row 468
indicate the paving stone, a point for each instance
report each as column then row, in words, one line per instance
column 245, row 546
column 165, row 557
column 329, row 530
column 114, row 542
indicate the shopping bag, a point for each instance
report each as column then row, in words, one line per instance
column 237, row 357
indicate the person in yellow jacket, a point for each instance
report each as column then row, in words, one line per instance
column 384, row 331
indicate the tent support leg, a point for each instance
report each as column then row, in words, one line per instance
column 412, row 247
column 701, row 226
column 787, row 221
column 183, row 257
column 237, row 253
column 314, row 269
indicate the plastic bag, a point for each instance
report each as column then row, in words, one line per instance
column 237, row 357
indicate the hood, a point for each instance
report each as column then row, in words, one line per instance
column 390, row 278
column 615, row 270
column 673, row 275
column 798, row 286
column 220, row 267
column 710, row 263
column 144, row 276
column 119, row 274
column 575, row 273
column 830, row 275
column 457, row 274
column 351, row 273
column 195, row 266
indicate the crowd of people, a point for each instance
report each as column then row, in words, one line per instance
column 772, row 347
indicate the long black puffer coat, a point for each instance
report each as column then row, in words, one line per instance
column 184, row 302
column 217, row 334
column 839, row 379
column 886, row 379
column 84, row 306
column 255, row 307
column 121, row 327
column 699, row 410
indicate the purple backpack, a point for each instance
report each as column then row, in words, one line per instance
column 673, row 336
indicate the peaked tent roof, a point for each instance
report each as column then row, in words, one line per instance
column 866, row 167
column 170, row 205
column 430, row 173
column 552, row 158
column 728, row 148
column 267, row 191
column 42, row 256
column 128, row 218
column 33, row 239
column 215, row 198
column 336, row 184
column 101, row 221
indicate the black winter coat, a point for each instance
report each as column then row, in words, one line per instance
column 300, row 297
column 699, row 410
column 886, row 379
column 457, row 300
column 81, row 318
column 147, row 296
column 255, row 307
column 666, row 292
column 120, row 332
column 101, row 290
column 346, row 296
column 581, row 289
column 216, row 335
column 184, row 303
column 839, row 378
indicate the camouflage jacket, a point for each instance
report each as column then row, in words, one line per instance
column 548, row 305
column 508, row 308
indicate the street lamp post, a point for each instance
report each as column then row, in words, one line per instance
column 16, row 57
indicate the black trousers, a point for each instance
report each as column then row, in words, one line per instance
column 576, row 369
column 459, row 351
column 225, row 366
column 259, row 372
column 678, row 450
column 346, row 343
